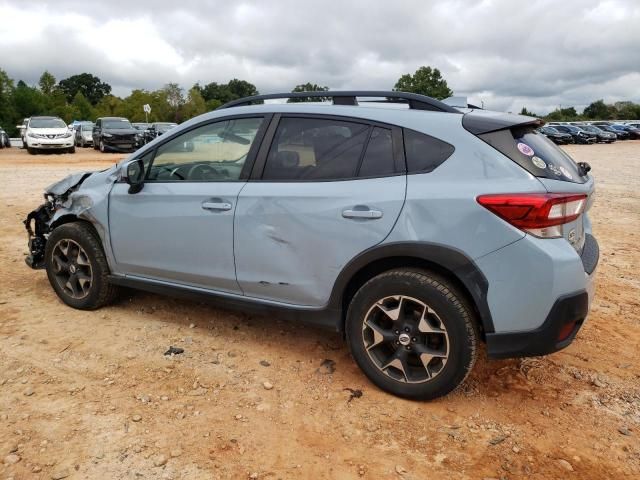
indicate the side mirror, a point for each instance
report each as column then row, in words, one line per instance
column 134, row 176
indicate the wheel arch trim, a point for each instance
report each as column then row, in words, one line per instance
column 444, row 259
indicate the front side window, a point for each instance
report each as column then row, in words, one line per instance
column 312, row 149
column 212, row 152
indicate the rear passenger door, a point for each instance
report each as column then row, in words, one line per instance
column 323, row 189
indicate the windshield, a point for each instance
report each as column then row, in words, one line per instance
column 550, row 130
column 140, row 126
column 47, row 123
column 115, row 124
column 163, row 127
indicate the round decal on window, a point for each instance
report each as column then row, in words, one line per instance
column 538, row 162
column 525, row 149
column 554, row 169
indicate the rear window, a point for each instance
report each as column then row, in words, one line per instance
column 423, row 152
column 535, row 153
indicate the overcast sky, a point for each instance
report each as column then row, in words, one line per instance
column 507, row 53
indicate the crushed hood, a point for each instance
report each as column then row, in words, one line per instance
column 63, row 186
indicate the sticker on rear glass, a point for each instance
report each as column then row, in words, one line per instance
column 554, row 169
column 566, row 173
column 538, row 162
column 525, row 149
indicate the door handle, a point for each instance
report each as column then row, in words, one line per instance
column 219, row 206
column 364, row 213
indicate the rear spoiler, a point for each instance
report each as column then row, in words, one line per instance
column 484, row 121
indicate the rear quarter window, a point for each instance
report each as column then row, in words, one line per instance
column 424, row 153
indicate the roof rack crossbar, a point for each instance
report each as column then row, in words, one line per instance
column 414, row 100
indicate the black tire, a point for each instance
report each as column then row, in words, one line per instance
column 99, row 292
column 102, row 147
column 72, row 150
column 32, row 151
column 452, row 313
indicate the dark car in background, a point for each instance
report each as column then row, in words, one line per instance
column 141, row 127
column 115, row 134
column 634, row 133
column 620, row 134
column 4, row 139
column 156, row 129
column 555, row 136
column 601, row 135
column 84, row 134
column 579, row 135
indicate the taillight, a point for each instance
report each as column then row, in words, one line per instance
column 540, row 214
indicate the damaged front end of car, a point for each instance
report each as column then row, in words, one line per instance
column 40, row 221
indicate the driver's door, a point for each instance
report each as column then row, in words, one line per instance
column 179, row 227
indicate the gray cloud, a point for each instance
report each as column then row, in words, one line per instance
column 508, row 54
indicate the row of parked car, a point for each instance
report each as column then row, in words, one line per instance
column 587, row 133
column 115, row 134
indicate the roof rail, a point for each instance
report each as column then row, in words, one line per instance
column 414, row 100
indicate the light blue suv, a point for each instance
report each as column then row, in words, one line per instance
column 415, row 228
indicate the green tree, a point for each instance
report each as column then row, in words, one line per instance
column 195, row 104
column 563, row 115
column 28, row 101
column 8, row 116
column 425, row 81
column 598, row 110
column 175, row 100
column 215, row 94
column 241, row 88
column 108, row 106
column 626, row 110
column 309, row 87
column 82, row 108
column 47, row 82
column 90, row 86
column 524, row 111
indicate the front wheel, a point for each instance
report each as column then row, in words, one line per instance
column 102, row 147
column 412, row 333
column 77, row 267
column 72, row 150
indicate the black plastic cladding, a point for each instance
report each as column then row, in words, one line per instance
column 415, row 101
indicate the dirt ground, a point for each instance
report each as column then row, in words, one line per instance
column 91, row 395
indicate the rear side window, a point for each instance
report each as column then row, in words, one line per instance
column 312, row 149
column 535, row 153
column 378, row 158
column 423, row 152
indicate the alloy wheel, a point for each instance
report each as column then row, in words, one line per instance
column 72, row 268
column 405, row 339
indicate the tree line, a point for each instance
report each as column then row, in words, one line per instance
column 597, row 110
column 86, row 97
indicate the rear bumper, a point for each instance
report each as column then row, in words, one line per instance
column 566, row 317
column 559, row 329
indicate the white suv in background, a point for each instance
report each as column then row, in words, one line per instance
column 48, row 133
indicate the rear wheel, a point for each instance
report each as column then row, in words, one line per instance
column 412, row 334
column 77, row 267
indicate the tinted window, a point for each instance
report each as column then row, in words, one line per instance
column 213, row 152
column 315, row 149
column 535, row 153
column 378, row 157
column 423, row 152
column 116, row 124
